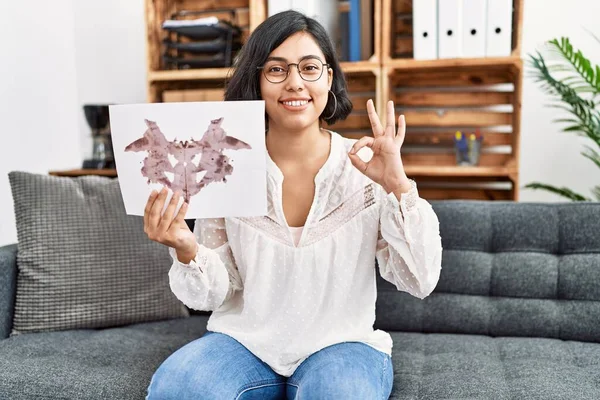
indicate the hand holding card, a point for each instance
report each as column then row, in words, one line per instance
column 168, row 227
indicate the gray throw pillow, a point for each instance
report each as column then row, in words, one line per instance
column 82, row 262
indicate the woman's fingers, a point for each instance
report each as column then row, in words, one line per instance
column 148, row 207
column 157, row 207
column 365, row 141
column 374, row 118
column 362, row 142
column 401, row 131
column 180, row 217
column 169, row 214
column 391, row 116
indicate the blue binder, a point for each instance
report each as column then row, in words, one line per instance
column 354, row 30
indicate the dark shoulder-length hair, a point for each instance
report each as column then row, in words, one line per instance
column 244, row 84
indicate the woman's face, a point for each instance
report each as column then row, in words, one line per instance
column 295, row 104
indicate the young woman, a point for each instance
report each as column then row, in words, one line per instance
column 293, row 292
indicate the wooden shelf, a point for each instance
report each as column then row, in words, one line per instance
column 359, row 66
column 459, row 171
column 189, row 74
column 82, row 172
column 450, row 63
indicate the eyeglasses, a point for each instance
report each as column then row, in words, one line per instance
column 310, row 70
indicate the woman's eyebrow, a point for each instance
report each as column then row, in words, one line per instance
column 301, row 58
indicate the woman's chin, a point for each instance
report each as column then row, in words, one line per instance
column 296, row 123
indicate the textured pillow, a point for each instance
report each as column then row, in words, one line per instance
column 84, row 263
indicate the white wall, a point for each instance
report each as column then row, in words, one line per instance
column 58, row 56
column 110, row 56
column 38, row 94
column 548, row 154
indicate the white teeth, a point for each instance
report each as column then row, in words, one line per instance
column 295, row 103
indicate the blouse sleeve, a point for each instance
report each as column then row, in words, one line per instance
column 212, row 277
column 409, row 247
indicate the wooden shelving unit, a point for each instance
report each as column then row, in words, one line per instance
column 437, row 97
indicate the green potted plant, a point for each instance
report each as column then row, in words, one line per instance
column 574, row 84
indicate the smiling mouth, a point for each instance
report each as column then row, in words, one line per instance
column 295, row 103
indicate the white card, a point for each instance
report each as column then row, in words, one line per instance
column 212, row 152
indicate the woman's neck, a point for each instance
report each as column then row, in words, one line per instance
column 286, row 147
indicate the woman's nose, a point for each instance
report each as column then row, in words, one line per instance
column 294, row 80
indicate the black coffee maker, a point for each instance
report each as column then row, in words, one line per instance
column 97, row 118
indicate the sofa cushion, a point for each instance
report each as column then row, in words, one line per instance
column 508, row 270
column 112, row 363
column 8, row 287
column 82, row 262
column 451, row 366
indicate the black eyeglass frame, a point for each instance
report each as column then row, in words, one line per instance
column 297, row 65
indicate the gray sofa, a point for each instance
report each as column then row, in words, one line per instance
column 516, row 315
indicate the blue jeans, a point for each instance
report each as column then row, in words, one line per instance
column 218, row 367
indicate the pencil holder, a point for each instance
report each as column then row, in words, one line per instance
column 467, row 148
column 474, row 151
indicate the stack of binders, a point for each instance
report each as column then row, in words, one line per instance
column 200, row 43
column 462, row 28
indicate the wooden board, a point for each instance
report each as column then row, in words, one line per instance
column 403, row 24
column 403, row 46
column 359, row 100
column 354, row 121
column 449, row 159
column 210, row 4
column 172, row 96
column 462, row 76
column 465, row 194
column 458, row 173
column 361, row 82
column 111, row 173
column 258, row 13
column 402, row 6
column 445, row 138
column 456, row 118
column 452, row 99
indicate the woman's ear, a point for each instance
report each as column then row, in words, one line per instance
column 330, row 77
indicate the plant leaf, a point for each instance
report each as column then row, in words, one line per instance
column 563, row 191
column 596, row 192
column 592, row 155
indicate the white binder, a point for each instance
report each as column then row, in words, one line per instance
column 499, row 28
column 425, row 36
column 277, row 6
column 325, row 12
column 474, row 28
column 449, row 28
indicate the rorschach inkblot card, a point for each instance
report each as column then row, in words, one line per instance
column 213, row 153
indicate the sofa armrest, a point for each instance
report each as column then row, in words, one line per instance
column 8, row 287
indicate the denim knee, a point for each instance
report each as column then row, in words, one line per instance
column 214, row 367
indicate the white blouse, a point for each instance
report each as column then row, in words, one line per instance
column 285, row 301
